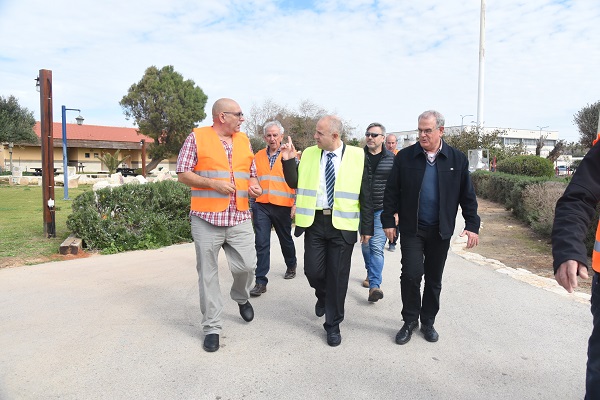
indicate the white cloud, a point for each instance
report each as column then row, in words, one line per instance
column 384, row 60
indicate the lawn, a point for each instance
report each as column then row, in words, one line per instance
column 22, row 239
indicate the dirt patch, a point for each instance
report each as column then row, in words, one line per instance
column 504, row 238
column 9, row 262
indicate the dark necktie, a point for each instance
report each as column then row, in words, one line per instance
column 329, row 178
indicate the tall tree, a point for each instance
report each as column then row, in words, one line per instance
column 165, row 107
column 300, row 124
column 586, row 120
column 16, row 122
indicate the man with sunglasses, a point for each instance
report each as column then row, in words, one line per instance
column 429, row 180
column 378, row 164
column 218, row 164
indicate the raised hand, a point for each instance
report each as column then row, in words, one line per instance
column 288, row 150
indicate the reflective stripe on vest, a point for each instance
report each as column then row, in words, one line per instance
column 213, row 164
column 346, row 207
column 275, row 189
column 596, row 251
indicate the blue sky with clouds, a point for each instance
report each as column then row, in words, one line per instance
column 367, row 60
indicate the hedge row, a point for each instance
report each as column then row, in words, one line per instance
column 531, row 199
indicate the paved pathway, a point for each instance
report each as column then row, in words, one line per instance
column 127, row 326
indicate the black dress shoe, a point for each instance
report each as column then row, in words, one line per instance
column 429, row 333
column 404, row 334
column 319, row 309
column 246, row 311
column 258, row 289
column 211, row 342
column 334, row 339
column 290, row 273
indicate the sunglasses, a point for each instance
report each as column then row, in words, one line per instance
column 373, row 135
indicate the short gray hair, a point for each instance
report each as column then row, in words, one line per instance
column 439, row 118
column 376, row 124
column 273, row 123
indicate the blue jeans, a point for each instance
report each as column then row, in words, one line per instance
column 265, row 216
column 593, row 363
column 373, row 253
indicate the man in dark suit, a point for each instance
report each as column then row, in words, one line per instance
column 428, row 181
column 332, row 198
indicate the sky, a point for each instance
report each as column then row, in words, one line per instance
column 365, row 60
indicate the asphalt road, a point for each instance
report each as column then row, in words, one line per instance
column 127, row 326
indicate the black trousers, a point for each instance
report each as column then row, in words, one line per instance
column 327, row 258
column 422, row 254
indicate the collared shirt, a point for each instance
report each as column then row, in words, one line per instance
column 187, row 160
column 337, row 160
column 273, row 158
column 431, row 157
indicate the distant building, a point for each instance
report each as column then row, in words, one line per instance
column 510, row 137
column 85, row 143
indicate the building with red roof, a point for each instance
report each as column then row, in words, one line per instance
column 85, row 143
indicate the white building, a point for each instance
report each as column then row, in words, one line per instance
column 510, row 136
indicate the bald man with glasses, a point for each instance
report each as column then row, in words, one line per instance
column 217, row 162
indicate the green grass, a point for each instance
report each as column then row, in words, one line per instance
column 22, row 221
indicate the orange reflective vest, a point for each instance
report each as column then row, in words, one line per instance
column 596, row 251
column 275, row 190
column 213, row 164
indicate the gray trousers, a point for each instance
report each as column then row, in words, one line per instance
column 238, row 243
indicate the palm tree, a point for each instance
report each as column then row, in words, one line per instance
column 112, row 161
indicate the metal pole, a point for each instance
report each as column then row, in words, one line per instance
column 481, row 65
column 45, row 80
column 462, row 117
column 143, row 158
column 64, row 146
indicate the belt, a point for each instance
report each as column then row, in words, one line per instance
column 325, row 211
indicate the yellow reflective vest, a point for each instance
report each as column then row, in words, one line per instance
column 346, row 207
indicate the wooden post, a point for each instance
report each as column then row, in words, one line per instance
column 47, row 138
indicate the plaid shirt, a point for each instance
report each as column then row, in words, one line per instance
column 187, row 160
column 272, row 158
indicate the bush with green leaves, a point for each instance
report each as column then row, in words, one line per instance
column 527, row 165
column 132, row 217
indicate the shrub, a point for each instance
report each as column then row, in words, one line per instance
column 132, row 216
column 532, row 200
column 527, row 165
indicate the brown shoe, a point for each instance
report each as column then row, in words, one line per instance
column 366, row 282
column 258, row 289
column 375, row 294
column 290, row 273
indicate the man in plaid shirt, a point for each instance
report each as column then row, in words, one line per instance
column 220, row 217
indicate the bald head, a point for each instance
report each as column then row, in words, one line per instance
column 221, row 105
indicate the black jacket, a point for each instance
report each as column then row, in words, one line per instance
column 380, row 176
column 575, row 211
column 290, row 172
column 404, row 188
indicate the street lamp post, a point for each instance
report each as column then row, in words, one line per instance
column 541, row 140
column 64, row 145
column 143, row 144
column 462, row 117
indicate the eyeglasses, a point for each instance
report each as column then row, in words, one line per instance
column 373, row 135
column 237, row 114
column 426, row 131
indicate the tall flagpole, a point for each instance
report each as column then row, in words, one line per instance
column 481, row 65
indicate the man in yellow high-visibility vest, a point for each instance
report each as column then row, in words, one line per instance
column 332, row 198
